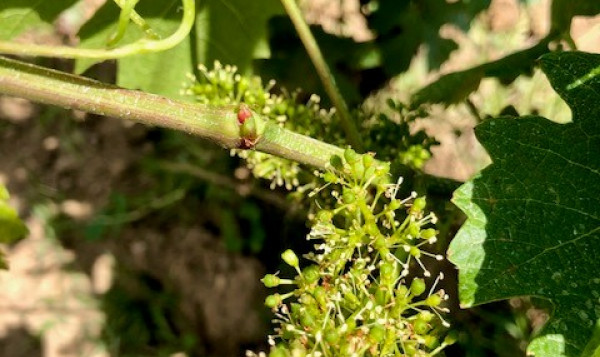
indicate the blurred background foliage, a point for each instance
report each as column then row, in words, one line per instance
column 147, row 242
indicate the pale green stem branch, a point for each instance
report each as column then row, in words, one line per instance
column 139, row 21
column 316, row 56
column 218, row 124
column 138, row 47
column 242, row 188
column 126, row 8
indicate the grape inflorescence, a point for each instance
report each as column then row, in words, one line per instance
column 363, row 291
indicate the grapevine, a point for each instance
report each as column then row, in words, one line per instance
column 223, row 85
column 371, row 286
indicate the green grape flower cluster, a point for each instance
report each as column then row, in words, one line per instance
column 360, row 294
column 223, row 85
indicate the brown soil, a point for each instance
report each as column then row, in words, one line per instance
column 50, row 168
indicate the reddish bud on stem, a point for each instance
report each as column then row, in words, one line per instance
column 243, row 113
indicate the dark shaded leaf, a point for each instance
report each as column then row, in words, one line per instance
column 403, row 26
column 17, row 16
column 293, row 68
column 563, row 11
column 533, row 223
column 455, row 87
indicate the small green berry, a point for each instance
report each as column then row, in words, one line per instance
column 370, row 172
column 332, row 336
column 394, row 204
column 351, row 299
column 278, row 351
column 295, row 309
column 311, row 274
column 372, row 229
column 377, row 333
column 424, row 154
column 419, row 204
column 273, row 301
column 431, row 341
column 388, row 273
column 426, row 316
column 350, row 325
column 324, row 216
column 348, row 196
column 271, row 281
column 308, row 320
column 428, row 233
column 306, row 300
column 336, row 162
column 402, row 290
column 379, row 243
column 433, row 300
column 421, row 327
column 410, row 349
column 368, row 160
column 358, row 169
column 413, row 230
column 321, row 296
column 418, row 163
column 383, row 169
column 330, row 177
column 415, row 252
column 290, row 258
column 417, row 287
column 351, row 156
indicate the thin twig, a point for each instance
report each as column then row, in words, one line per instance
column 473, row 110
column 216, row 123
column 139, row 21
column 241, row 188
column 316, row 56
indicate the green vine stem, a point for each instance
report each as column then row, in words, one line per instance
column 141, row 46
column 136, row 18
column 314, row 52
column 218, row 124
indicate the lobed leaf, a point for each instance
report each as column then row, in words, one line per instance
column 533, row 224
column 16, row 16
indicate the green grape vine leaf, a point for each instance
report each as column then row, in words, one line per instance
column 159, row 73
column 11, row 227
column 17, row 16
column 234, row 32
column 533, row 224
